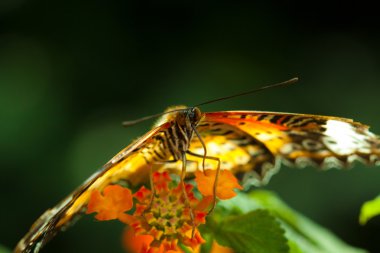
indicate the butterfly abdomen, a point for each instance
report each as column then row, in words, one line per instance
column 156, row 151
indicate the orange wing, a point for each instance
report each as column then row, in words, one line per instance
column 252, row 144
column 129, row 164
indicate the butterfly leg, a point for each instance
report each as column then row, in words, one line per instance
column 203, row 146
column 187, row 201
column 216, row 176
column 152, row 188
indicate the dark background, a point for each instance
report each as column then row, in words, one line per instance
column 71, row 71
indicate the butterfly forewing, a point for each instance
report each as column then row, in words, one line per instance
column 129, row 164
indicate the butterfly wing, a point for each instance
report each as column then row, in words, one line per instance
column 254, row 143
column 129, row 164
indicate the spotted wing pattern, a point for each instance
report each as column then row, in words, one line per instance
column 257, row 141
column 238, row 151
column 131, row 163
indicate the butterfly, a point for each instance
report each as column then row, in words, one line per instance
column 251, row 144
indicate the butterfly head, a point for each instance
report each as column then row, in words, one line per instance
column 183, row 115
column 188, row 117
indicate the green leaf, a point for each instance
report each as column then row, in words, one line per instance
column 294, row 248
column 369, row 210
column 254, row 232
column 303, row 234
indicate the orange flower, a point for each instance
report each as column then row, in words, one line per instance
column 163, row 218
column 112, row 204
column 226, row 183
column 166, row 217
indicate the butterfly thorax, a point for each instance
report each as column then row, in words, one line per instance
column 176, row 139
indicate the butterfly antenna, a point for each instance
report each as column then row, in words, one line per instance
column 289, row 82
column 136, row 121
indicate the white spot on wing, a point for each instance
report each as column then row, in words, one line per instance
column 289, row 148
column 343, row 139
column 213, row 148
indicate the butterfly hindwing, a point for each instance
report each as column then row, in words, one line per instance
column 238, row 151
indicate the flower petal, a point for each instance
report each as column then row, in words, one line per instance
column 112, row 204
column 193, row 241
column 161, row 181
column 136, row 243
column 227, row 182
column 143, row 194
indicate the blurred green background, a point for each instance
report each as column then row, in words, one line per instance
column 72, row 71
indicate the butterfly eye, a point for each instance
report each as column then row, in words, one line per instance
column 195, row 114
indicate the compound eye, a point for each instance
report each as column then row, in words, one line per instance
column 192, row 113
column 195, row 114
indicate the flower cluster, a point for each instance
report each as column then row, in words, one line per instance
column 165, row 217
